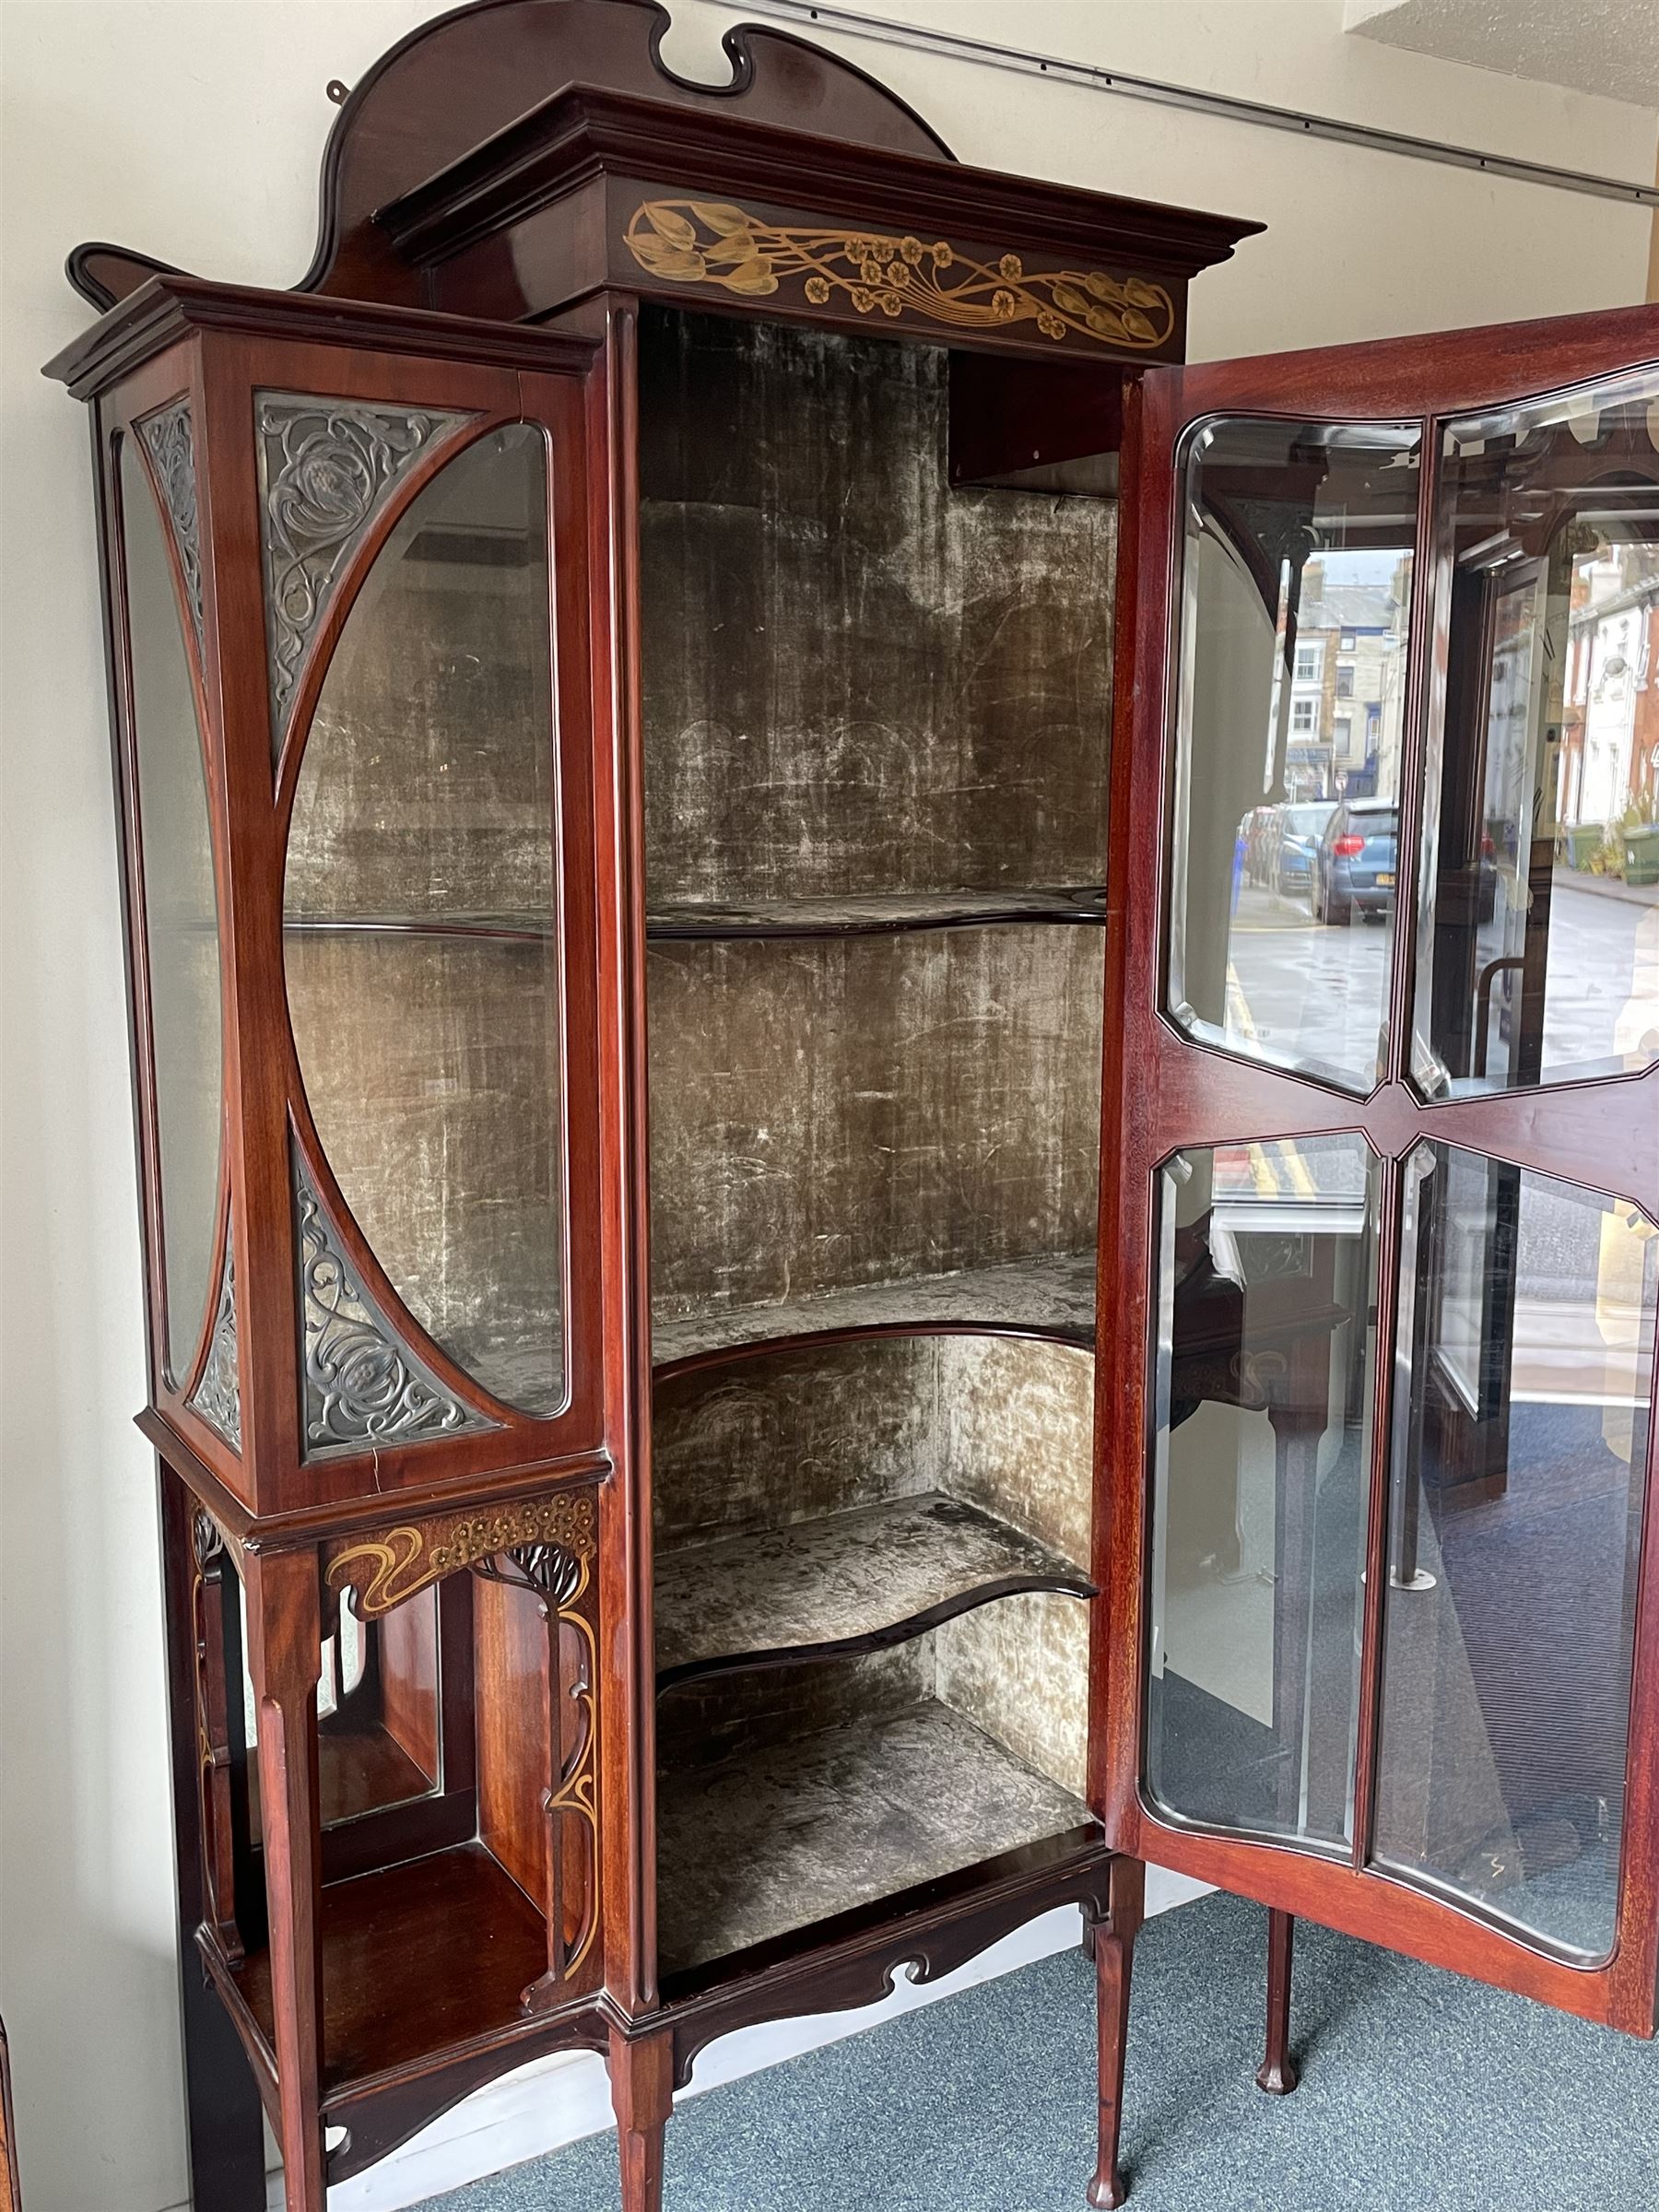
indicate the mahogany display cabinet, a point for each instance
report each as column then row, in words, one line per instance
column 740, row 803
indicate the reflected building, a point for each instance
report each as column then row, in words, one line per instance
column 1610, row 729
column 1347, row 707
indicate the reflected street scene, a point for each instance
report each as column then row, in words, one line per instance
column 1297, row 596
column 1261, row 1459
column 1538, row 959
column 1523, row 1394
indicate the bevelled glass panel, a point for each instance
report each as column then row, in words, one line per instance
column 1538, row 948
column 1267, row 1287
column 1294, row 627
column 181, row 919
column 1522, row 1394
column 421, row 920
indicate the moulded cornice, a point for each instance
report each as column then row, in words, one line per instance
column 169, row 308
column 587, row 132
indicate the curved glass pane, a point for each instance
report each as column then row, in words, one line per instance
column 181, row 919
column 1261, row 1462
column 421, row 920
column 1523, row 1392
column 1538, row 955
column 1296, row 596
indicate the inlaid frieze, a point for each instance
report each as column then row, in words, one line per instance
column 384, row 1569
column 921, row 281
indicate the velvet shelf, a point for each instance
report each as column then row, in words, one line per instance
column 854, row 1580
column 1051, row 1295
column 757, row 1844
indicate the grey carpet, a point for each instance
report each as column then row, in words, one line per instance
column 1421, row 2093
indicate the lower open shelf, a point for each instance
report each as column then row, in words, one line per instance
column 1051, row 1296
column 414, row 1959
column 841, row 1818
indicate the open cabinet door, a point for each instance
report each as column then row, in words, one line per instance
column 1380, row 1148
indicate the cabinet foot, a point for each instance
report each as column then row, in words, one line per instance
column 1277, row 2074
column 641, row 2074
column 1114, row 1951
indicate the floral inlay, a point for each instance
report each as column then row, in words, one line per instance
column 705, row 242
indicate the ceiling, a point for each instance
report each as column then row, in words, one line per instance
column 1606, row 46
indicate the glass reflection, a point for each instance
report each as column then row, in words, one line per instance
column 420, row 912
column 1294, row 632
column 1539, row 951
column 1268, row 1286
column 181, row 919
column 378, row 1719
column 1523, row 1401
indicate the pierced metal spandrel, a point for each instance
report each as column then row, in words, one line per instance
column 362, row 1384
column 218, row 1396
column 326, row 468
column 170, row 441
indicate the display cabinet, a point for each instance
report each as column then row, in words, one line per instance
column 629, row 899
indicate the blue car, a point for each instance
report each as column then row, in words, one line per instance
column 1299, row 830
column 1356, row 862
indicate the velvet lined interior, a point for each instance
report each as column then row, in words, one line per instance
column 876, row 717
column 787, row 1796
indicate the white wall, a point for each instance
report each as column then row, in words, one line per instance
column 194, row 131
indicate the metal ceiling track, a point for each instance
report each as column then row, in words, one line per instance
column 855, row 23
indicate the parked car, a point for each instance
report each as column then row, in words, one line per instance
column 1300, row 830
column 1355, row 861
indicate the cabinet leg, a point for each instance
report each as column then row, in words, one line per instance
column 641, row 2074
column 284, row 1648
column 222, row 2099
column 1114, row 1952
column 1276, row 2073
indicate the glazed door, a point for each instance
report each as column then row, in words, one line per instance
column 362, row 767
column 1381, row 1146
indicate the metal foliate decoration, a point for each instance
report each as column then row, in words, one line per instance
column 361, row 1386
column 326, row 469
column 170, row 441
column 218, row 1396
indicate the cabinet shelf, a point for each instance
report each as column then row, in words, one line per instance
column 875, row 914
column 867, row 915
column 416, row 1959
column 507, row 928
column 759, row 1845
column 1053, row 1296
column 850, row 1582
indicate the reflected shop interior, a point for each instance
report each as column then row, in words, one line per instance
column 1516, row 1307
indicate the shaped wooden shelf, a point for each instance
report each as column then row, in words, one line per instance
column 850, row 1582
column 1052, row 1297
column 416, row 1959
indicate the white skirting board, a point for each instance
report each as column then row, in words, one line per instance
column 555, row 2099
